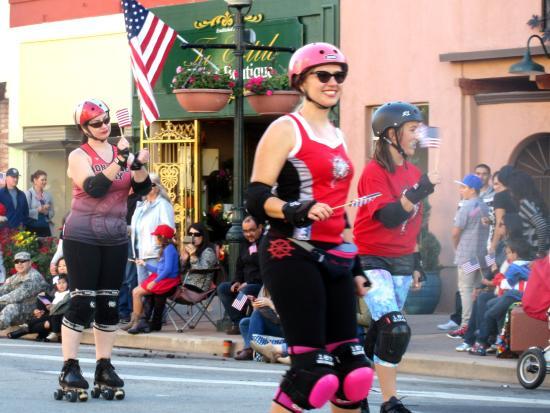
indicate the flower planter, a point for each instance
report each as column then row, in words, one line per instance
column 281, row 101
column 425, row 300
column 202, row 100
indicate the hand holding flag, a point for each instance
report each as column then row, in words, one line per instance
column 240, row 301
column 471, row 266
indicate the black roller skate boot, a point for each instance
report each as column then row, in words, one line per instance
column 73, row 386
column 393, row 405
column 365, row 406
column 106, row 382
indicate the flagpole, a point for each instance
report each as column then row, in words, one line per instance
column 181, row 39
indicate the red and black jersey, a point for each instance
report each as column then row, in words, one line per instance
column 315, row 169
column 373, row 238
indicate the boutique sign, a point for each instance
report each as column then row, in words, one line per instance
column 220, row 30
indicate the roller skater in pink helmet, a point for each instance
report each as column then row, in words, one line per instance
column 305, row 156
column 95, row 245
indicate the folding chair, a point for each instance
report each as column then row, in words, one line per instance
column 197, row 302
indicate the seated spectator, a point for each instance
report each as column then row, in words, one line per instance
column 18, row 293
column 48, row 314
column 3, row 225
column 198, row 254
column 160, row 284
column 536, row 298
column 247, row 273
column 263, row 320
column 513, row 285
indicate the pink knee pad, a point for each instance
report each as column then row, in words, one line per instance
column 357, row 384
column 323, row 390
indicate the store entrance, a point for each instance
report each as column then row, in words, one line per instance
column 216, row 147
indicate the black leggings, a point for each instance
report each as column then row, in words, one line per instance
column 315, row 308
column 94, row 267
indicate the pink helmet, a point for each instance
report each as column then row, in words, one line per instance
column 89, row 109
column 311, row 55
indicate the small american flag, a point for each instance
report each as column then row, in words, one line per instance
column 470, row 266
column 150, row 42
column 428, row 136
column 359, row 202
column 123, row 118
column 240, row 301
column 490, row 260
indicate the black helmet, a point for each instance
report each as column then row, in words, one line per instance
column 393, row 115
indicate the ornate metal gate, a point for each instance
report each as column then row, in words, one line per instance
column 174, row 149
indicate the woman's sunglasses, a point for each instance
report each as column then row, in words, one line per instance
column 325, row 76
column 99, row 123
column 194, row 234
column 20, row 261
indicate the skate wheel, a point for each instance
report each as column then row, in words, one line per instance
column 71, row 396
column 95, row 393
column 83, row 396
column 108, row 394
column 119, row 394
column 58, row 394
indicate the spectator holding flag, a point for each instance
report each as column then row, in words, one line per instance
column 470, row 241
column 247, row 273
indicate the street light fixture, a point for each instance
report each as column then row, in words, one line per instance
column 527, row 65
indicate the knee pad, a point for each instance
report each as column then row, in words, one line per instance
column 393, row 338
column 311, row 381
column 355, row 373
column 81, row 310
column 106, row 314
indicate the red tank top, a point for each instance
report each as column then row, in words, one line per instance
column 322, row 171
column 99, row 221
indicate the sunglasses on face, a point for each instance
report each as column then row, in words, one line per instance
column 99, row 123
column 20, row 261
column 325, row 76
column 194, row 234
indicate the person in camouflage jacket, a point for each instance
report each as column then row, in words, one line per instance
column 18, row 293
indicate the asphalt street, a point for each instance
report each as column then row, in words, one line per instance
column 166, row 382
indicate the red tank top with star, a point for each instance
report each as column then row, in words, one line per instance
column 316, row 169
column 99, row 221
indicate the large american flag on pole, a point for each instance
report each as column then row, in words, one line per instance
column 150, row 41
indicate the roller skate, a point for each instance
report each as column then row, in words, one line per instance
column 106, row 382
column 73, row 386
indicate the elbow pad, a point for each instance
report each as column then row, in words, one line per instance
column 392, row 215
column 142, row 188
column 96, row 186
column 256, row 195
column 420, row 190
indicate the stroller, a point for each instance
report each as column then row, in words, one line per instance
column 534, row 363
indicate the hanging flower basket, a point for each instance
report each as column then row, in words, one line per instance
column 203, row 100
column 275, row 103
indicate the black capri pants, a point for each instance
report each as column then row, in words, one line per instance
column 315, row 308
column 95, row 267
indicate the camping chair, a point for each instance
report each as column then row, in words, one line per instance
column 198, row 302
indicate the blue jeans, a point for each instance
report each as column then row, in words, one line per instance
column 494, row 317
column 256, row 324
column 227, row 297
column 476, row 318
column 128, row 284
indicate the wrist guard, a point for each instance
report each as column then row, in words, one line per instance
column 136, row 164
column 120, row 162
column 124, row 153
column 418, row 266
column 295, row 212
column 420, row 190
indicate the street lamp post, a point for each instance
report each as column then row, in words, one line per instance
column 235, row 235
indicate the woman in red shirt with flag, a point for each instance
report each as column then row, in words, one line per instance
column 305, row 156
column 386, row 232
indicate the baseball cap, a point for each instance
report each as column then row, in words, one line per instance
column 22, row 255
column 12, row 172
column 164, row 230
column 471, row 181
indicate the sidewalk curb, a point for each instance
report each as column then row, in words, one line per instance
column 478, row 368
